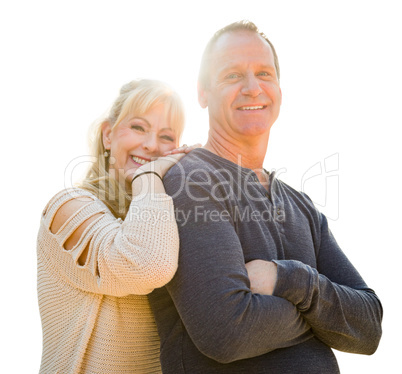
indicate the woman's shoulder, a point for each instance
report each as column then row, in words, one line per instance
column 68, row 209
column 71, row 193
column 66, row 195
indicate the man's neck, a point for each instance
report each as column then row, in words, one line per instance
column 248, row 154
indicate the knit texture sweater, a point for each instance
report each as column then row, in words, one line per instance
column 96, row 317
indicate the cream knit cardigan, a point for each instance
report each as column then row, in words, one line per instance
column 95, row 317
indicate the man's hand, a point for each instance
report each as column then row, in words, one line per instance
column 262, row 275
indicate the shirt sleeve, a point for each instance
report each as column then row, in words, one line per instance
column 333, row 298
column 211, row 289
column 133, row 256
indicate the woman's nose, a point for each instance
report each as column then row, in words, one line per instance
column 151, row 143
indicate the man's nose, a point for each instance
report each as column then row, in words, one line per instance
column 251, row 86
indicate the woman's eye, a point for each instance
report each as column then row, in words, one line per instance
column 137, row 127
column 168, row 138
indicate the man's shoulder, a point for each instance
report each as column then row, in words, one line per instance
column 200, row 171
column 198, row 160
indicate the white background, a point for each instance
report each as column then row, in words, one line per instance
column 62, row 63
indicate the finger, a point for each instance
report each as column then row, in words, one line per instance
column 177, row 150
column 192, row 147
column 183, row 149
column 173, row 151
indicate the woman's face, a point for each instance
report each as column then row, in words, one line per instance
column 137, row 140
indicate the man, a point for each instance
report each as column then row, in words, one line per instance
column 262, row 286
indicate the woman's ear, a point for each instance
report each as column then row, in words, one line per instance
column 106, row 131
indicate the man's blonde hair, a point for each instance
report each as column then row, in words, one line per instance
column 244, row 25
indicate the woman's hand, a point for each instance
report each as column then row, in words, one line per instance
column 161, row 165
column 183, row 149
column 262, row 275
column 147, row 182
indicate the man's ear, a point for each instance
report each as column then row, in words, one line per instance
column 202, row 95
column 106, row 131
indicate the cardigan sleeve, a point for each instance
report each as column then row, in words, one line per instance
column 211, row 289
column 333, row 298
column 133, row 256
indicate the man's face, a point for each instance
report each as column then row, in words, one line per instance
column 243, row 97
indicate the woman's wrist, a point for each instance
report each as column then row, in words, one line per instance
column 147, row 181
column 145, row 172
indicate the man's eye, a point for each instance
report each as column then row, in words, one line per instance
column 233, row 76
column 264, row 74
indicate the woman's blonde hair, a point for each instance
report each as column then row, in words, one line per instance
column 136, row 97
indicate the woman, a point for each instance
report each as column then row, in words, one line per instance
column 104, row 246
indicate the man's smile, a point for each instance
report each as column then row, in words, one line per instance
column 255, row 107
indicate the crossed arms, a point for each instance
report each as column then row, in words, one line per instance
column 228, row 322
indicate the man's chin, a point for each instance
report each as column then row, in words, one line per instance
column 254, row 129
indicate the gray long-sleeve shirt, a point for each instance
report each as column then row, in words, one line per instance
column 208, row 319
